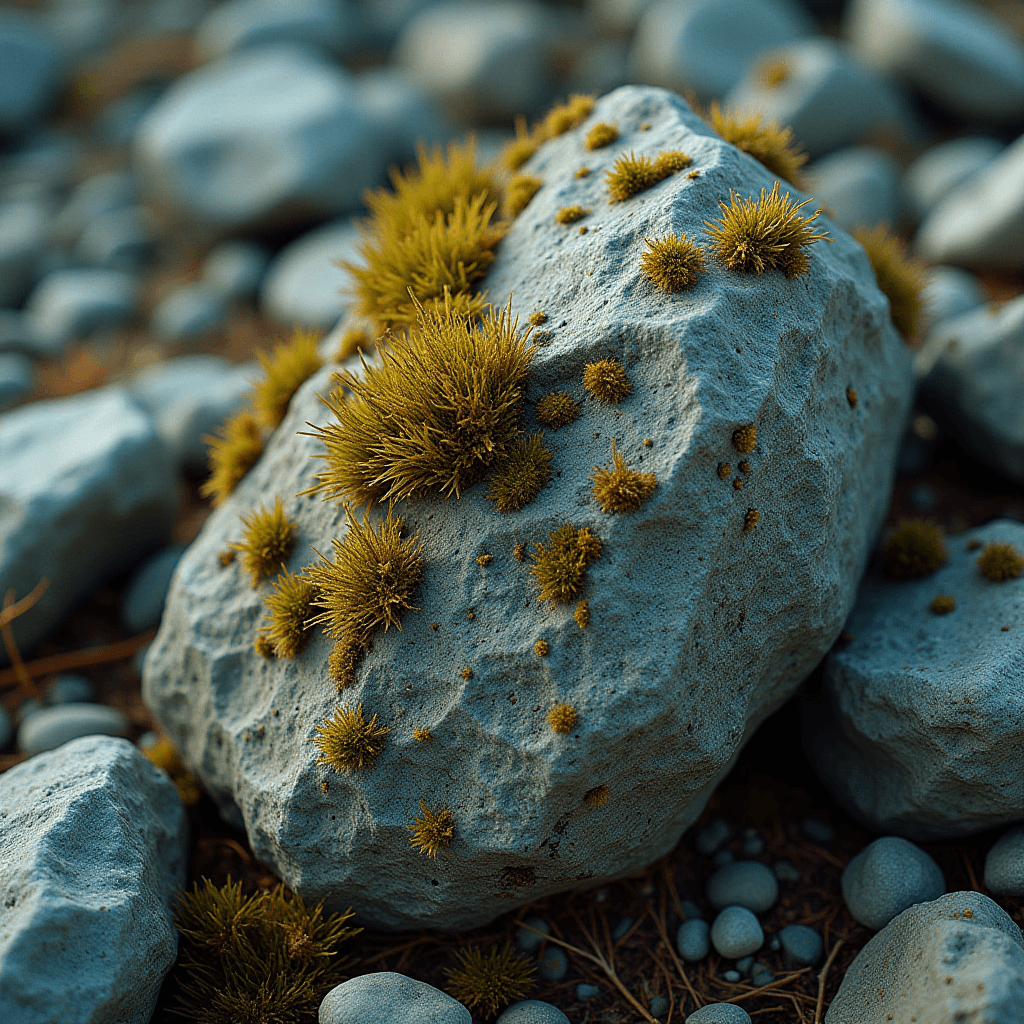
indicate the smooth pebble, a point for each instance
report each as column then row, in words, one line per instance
column 189, row 313
column 50, row 728
column 801, row 943
column 760, row 975
column 658, row 1006
column 736, row 932
column 1004, row 864
column 744, row 964
column 69, row 688
column 553, row 964
column 234, row 269
column 532, row 1011
column 719, row 1013
column 692, row 939
column 386, row 996
column 527, row 941
column 731, row 976
column 585, row 992
column 786, row 871
column 747, row 883
column 712, row 836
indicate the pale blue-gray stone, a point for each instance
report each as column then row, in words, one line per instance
column 386, row 998
column 859, row 186
column 23, row 241
column 886, row 877
column 190, row 313
column 69, row 688
column 760, row 975
column 693, row 939
column 801, row 943
column 712, row 836
column 939, row 170
column 949, row 292
column 658, row 1006
column 533, row 1011
column 52, row 727
column 719, row 1013
column 553, row 964
column 121, row 239
column 235, row 269
column 94, row 197
column 1004, row 864
column 585, row 992
column 17, row 378
column 736, row 932
column 746, row 883
column 31, row 70
column 143, row 601
column 526, row 940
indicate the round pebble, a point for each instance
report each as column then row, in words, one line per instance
column 786, row 871
column 801, row 943
column 760, row 975
column 527, row 941
column 1004, row 865
column 775, row 945
column 692, row 939
column 711, row 836
column 192, row 311
column 533, row 1011
column 553, row 964
column 659, row 1006
column 391, row 997
column 585, row 991
column 747, row 883
column 69, row 688
column 49, row 728
column 6, row 727
column 235, row 269
column 753, row 846
column 719, row 1013
column 886, row 878
column 622, row 928
column 147, row 740
column 736, row 932
column 26, row 709
column 732, row 976
column 744, row 964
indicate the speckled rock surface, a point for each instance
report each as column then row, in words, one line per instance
column 698, row 629
column 1004, row 864
column 917, row 729
column 959, row 958
column 93, row 844
column 387, row 996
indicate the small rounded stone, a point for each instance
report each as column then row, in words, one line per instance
column 732, row 976
column 69, row 688
column 711, row 836
column 692, row 939
column 747, row 883
column 622, row 928
column 1004, row 865
column 585, row 991
column 744, row 964
column 532, row 1011
column 736, row 932
column 527, row 941
column 658, row 1007
column 760, row 975
column 719, row 1013
column 690, row 909
column 387, row 996
column 786, row 871
column 801, row 943
column 553, row 964
column 50, row 728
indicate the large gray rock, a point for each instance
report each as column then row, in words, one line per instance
column 959, row 958
column 699, row 629
column 386, row 996
column 934, row 174
column 31, row 70
column 86, row 488
column 918, row 728
column 258, row 135
column 93, row 845
column 975, row 381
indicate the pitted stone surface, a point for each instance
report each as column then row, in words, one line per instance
column 698, row 629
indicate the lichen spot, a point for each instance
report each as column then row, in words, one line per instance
column 607, row 381
column 466, row 674
column 724, row 471
column 582, row 613
column 421, row 735
column 263, row 647
column 519, row 552
column 744, row 439
column 913, row 549
column 1000, row 562
column 583, row 172
column 562, row 718
column 773, row 72
column 851, row 397
column 538, row 317
column 542, row 648
column 571, row 214
column 602, row 134
column 751, row 519
column 596, row 797
column 943, row 604
column 484, row 560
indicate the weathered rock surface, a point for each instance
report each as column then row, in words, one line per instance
column 93, row 843
column 959, row 958
column 698, row 629
column 1004, row 864
column 386, row 996
column 917, row 728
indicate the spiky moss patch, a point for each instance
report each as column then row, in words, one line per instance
column 744, row 440
column 542, row 648
column 900, row 278
column 672, row 263
column 582, row 613
column 422, row 735
column 562, row 117
column 751, row 519
column 232, row 454
column 521, row 189
column 348, row 742
column 538, row 317
column 607, row 381
column 267, row 541
column 351, row 342
column 263, row 647
column 633, row 174
column 768, row 142
column 284, row 369
column 434, row 831
column 621, row 489
column 768, row 233
column 439, row 409
column 488, row 983
column 289, row 608
column 562, row 718
column 772, row 72
column 602, row 134
column 1000, row 562
column 913, row 549
column 557, row 410
column 560, row 568
column 582, row 172
column 519, row 476
column 942, row 604
column 266, row 957
column 571, row 214
column 596, row 797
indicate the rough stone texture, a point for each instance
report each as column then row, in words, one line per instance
column 386, row 996
column 1004, row 864
column 698, row 629
column 93, row 843
column 888, row 876
column 533, row 1011
column 959, row 958
column 719, row 1013
column 86, row 488
column 917, row 727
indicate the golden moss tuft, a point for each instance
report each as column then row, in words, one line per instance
column 519, row 552
column 773, row 72
column 766, row 141
column 422, row 735
column 942, row 604
column 672, row 263
column 744, row 440
column 538, row 317
column 232, row 455
column 268, row 540
column 563, row 117
column 571, row 214
column 1000, row 562
column 672, row 161
column 347, row 741
column 515, row 153
column 602, row 134
column 562, row 718
column 851, row 397
column 755, row 235
column 489, row 983
column 582, row 172
column 751, row 519
column 559, row 569
column 284, row 370
column 521, row 189
column 263, row 647
column 900, row 278
column 621, row 489
column 542, row 648
column 289, row 607
column 484, row 560
column 582, row 613
column 596, row 797
column 344, row 659
column 351, row 342
column 439, row 409
column 434, row 831
column 633, row 174
column 226, row 557
column 557, row 410
column 607, row 381
column 913, row 549
column 518, row 478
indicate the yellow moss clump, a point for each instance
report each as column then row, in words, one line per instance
column 289, row 608
column 900, row 278
column 559, row 120
column 744, row 440
column 538, row 317
column 913, row 549
column 560, row 568
column 348, row 742
column 596, row 797
column 582, row 613
column 351, row 342
column 766, row 141
column 557, row 410
column 268, row 540
column 607, row 381
column 621, row 489
column 755, row 235
column 751, row 519
column 489, row 983
column 771, row 73
column 633, row 174
column 562, row 718
column 439, row 409
column 163, row 755
column 942, row 604
column 422, row 735
column 434, row 831
column 284, row 370
column 518, row 478
column 1000, row 562
column 263, row 647
column 521, row 189
column 600, row 135
column 582, row 172
column 542, row 648
column 571, row 214
column 672, row 263
column 232, row 455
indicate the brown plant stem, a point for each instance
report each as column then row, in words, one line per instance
column 78, row 659
column 822, row 975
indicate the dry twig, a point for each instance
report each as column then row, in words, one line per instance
column 822, row 975
column 79, row 659
column 11, row 610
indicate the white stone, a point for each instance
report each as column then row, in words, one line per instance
column 918, row 728
column 86, row 488
column 235, row 269
column 1004, row 864
column 17, row 378
column 52, row 727
column 400, row 114
column 93, row 846
column 829, row 99
column 860, row 186
column 956, row 53
column 258, row 134
column 949, row 292
column 747, row 883
column 144, row 596
column 304, row 285
column 981, row 222
column 959, row 958
column 23, row 240
column 118, row 240
column 385, row 997
column 31, row 70
column 70, row 304
column 939, row 170
column 189, row 398
column 735, row 932
column 975, row 377
column 692, row 650
column 100, row 194
column 190, row 312
column 707, row 45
